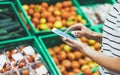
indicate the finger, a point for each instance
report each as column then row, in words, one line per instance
column 70, row 28
column 68, row 40
column 77, row 33
column 70, row 44
column 77, row 26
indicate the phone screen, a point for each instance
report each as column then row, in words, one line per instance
column 62, row 34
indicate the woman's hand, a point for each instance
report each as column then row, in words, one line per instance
column 79, row 30
column 77, row 44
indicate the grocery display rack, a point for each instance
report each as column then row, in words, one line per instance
column 93, row 4
column 49, row 41
column 32, row 28
column 33, row 42
column 11, row 7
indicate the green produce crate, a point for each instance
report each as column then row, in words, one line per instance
column 97, row 28
column 49, row 41
column 12, row 8
column 3, row 0
column 34, row 43
column 21, row 14
column 32, row 28
column 93, row 4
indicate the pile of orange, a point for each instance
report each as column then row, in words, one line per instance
column 71, row 61
column 46, row 16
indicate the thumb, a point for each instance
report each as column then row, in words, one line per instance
column 67, row 39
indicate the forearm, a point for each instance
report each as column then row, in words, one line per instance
column 95, row 36
column 111, row 63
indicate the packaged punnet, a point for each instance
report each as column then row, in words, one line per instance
column 96, row 10
column 24, row 57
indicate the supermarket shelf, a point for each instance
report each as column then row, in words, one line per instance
column 33, row 29
column 11, row 7
column 33, row 42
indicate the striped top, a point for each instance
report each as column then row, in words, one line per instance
column 111, row 36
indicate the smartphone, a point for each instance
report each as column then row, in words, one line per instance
column 62, row 34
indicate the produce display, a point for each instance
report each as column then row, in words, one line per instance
column 97, row 13
column 10, row 27
column 71, row 61
column 45, row 16
column 22, row 60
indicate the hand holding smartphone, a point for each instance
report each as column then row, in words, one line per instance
column 62, row 34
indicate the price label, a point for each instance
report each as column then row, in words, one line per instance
column 42, row 70
column 29, row 50
column 17, row 56
column 2, row 61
